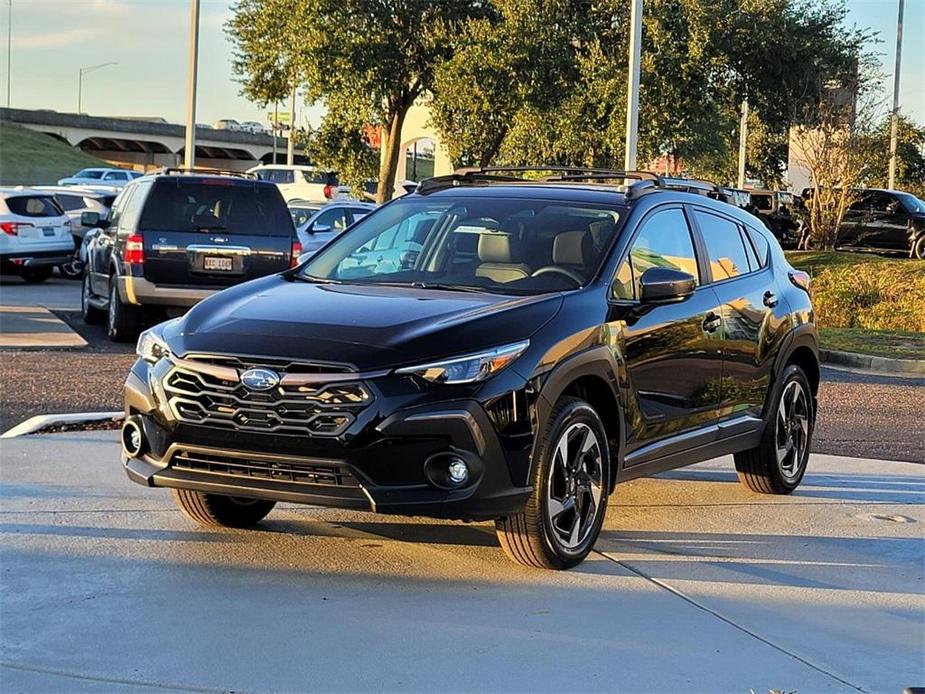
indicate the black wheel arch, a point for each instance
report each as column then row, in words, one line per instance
column 800, row 347
column 592, row 376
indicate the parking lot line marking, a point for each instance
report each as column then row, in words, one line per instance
column 730, row 622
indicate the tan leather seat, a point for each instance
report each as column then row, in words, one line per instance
column 572, row 250
column 500, row 258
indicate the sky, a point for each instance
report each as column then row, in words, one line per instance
column 149, row 39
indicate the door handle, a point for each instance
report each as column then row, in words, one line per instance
column 711, row 322
column 770, row 299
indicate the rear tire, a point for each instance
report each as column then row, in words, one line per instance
column 918, row 248
column 563, row 516
column 35, row 275
column 219, row 510
column 778, row 463
column 91, row 314
column 123, row 321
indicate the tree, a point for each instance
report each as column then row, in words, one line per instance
column 910, row 156
column 341, row 144
column 263, row 38
column 379, row 56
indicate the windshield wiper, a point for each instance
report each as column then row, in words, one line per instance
column 449, row 287
column 314, row 280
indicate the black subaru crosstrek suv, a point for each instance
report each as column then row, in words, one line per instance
column 488, row 348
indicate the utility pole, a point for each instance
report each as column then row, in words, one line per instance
column 9, row 49
column 743, row 141
column 275, row 128
column 189, row 157
column 290, row 144
column 632, row 88
column 894, row 120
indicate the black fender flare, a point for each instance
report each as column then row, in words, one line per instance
column 801, row 336
column 599, row 362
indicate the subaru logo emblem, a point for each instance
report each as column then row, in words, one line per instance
column 260, row 379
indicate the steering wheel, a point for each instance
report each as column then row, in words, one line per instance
column 557, row 269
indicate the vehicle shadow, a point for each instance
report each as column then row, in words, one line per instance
column 889, row 489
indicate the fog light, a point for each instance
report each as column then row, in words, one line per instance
column 457, row 471
column 133, row 440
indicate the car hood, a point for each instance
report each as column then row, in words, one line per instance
column 365, row 326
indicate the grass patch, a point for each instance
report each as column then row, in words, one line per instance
column 28, row 157
column 884, row 343
column 814, row 262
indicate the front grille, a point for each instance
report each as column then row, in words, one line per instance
column 330, row 475
column 323, row 410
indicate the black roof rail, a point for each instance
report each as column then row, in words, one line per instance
column 511, row 174
column 178, row 170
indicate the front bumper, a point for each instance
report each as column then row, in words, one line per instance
column 387, row 461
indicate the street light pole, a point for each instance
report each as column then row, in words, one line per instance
column 80, row 81
column 894, row 120
column 290, row 144
column 189, row 154
column 632, row 88
column 9, row 48
column 743, row 142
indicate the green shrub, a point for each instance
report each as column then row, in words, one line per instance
column 874, row 296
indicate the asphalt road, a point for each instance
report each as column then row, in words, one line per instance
column 696, row 585
column 860, row 415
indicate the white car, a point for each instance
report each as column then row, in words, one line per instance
column 253, row 128
column 299, row 182
column 317, row 224
column 227, row 124
column 35, row 234
column 106, row 177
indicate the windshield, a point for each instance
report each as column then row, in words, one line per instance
column 508, row 246
column 300, row 215
column 911, row 203
column 89, row 173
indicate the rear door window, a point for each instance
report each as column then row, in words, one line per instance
column 34, row 206
column 724, row 246
column 218, row 205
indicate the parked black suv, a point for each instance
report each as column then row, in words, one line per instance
column 885, row 220
column 176, row 237
column 488, row 348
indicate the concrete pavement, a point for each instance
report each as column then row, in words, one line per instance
column 34, row 327
column 697, row 586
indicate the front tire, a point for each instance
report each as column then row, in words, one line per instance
column 123, row 322
column 219, row 510
column 91, row 314
column 563, row 516
column 778, row 463
column 918, row 248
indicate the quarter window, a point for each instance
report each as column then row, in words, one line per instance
column 724, row 246
column 760, row 244
column 663, row 241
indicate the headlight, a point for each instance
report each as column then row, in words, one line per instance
column 470, row 368
column 151, row 346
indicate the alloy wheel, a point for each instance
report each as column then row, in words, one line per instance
column 574, row 486
column 792, row 432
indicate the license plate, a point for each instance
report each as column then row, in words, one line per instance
column 217, row 263
column 48, row 231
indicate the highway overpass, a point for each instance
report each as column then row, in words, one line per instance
column 143, row 144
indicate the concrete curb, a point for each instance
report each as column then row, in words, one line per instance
column 884, row 365
column 33, row 424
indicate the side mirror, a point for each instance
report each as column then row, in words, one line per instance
column 93, row 219
column 319, row 229
column 662, row 285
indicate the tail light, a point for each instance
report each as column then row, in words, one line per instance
column 135, row 250
column 329, row 191
column 12, row 228
column 296, row 252
column 800, row 279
